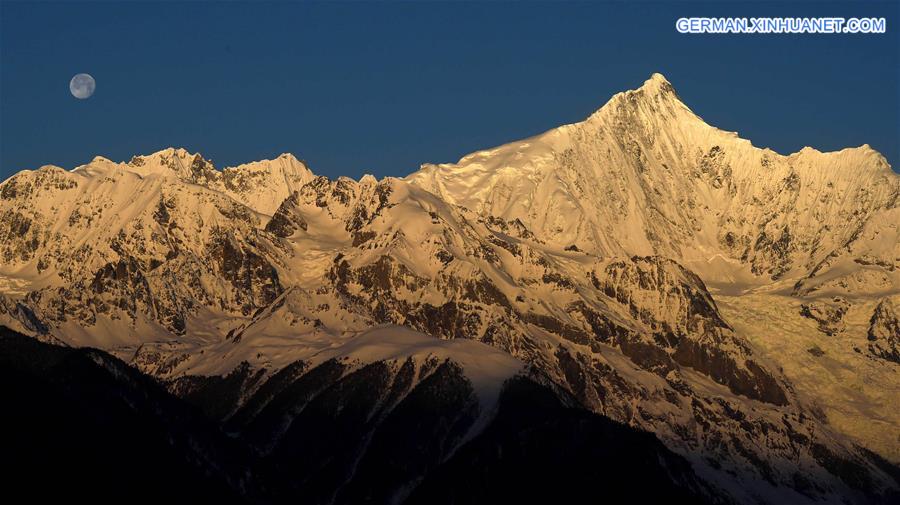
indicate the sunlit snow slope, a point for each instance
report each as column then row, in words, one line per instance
column 740, row 304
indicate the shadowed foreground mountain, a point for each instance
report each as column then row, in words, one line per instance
column 739, row 304
column 100, row 429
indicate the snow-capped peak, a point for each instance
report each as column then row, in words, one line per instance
column 657, row 83
column 654, row 101
column 572, row 250
column 632, row 178
column 655, row 86
column 168, row 153
column 283, row 163
column 172, row 162
column 263, row 185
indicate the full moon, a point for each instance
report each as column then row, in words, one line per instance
column 82, row 86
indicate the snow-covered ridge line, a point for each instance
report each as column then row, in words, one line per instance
column 655, row 86
column 630, row 178
column 658, row 87
column 602, row 254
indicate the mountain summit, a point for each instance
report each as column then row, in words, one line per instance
column 640, row 265
column 645, row 175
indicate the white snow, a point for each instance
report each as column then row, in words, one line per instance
column 643, row 175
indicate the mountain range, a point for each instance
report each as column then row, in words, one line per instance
column 636, row 306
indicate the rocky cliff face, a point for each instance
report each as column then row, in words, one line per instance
column 595, row 254
column 884, row 332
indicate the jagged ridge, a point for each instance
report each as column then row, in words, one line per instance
column 570, row 251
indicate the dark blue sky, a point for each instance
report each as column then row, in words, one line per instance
column 381, row 88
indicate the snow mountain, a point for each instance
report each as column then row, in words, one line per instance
column 642, row 265
column 644, row 175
